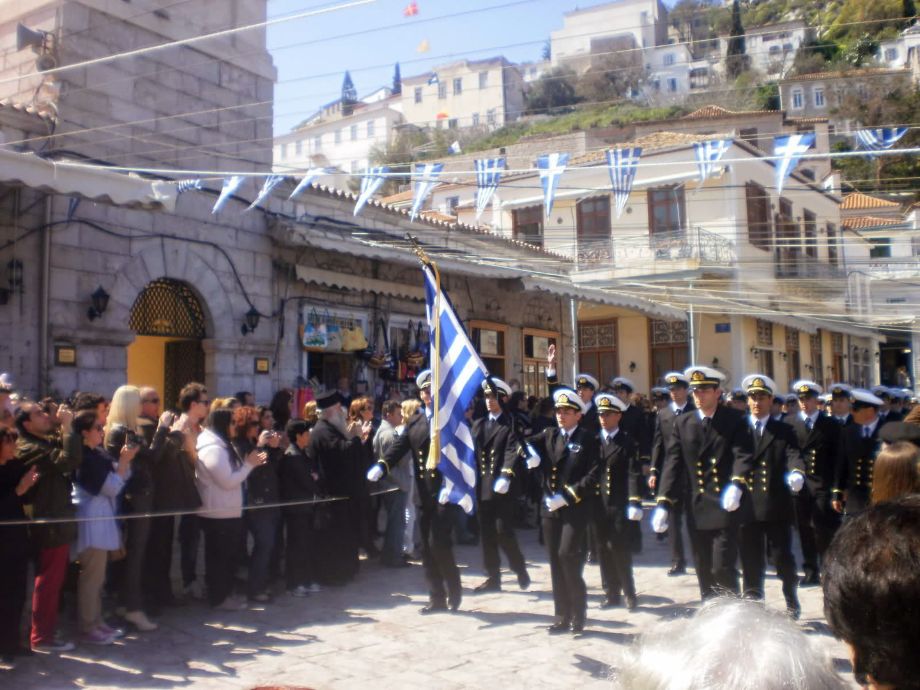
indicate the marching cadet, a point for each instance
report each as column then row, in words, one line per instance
column 817, row 436
column 890, row 410
column 633, row 418
column 737, row 400
column 840, row 403
column 435, row 518
column 660, row 397
column 618, row 501
column 497, row 487
column 859, row 444
column 567, row 456
column 791, row 406
column 778, row 473
column 585, row 385
column 711, row 449
column 679, row 390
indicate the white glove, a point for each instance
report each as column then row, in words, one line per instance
column 501, row 485
column 660, row 520
column 554, row 502
column 444, row 496
column 533, row 457
column 634, row 513
column 731, row 498
column 795, row 481
column 375, row 473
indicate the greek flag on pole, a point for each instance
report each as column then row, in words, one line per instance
column 231, row 186
column 622, row 165
column 183, row 186
column 708, row 153
column 307, row 180
column 371, row 181
column 271, row 182
column 879, row 138
column 460, row 373
column 551, row 166
column 488, row 175
column 789, row 149
column 424, row 180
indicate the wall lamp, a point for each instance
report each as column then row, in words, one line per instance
column 100, row 302
column 251, row 321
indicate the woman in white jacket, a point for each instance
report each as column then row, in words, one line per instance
column 219, row 475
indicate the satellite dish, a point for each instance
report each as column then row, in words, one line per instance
column 28, row 38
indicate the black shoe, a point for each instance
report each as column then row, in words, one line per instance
column 793, row 608
column 611, row 602
column 523, row 579
column 810, row 580
column 433, row 607
column 677, row 569
column 453, row 601
column 578, row 627
column 632, row 603
column 490, row 585
column 558, row 628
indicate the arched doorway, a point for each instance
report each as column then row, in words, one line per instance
column 169, row 323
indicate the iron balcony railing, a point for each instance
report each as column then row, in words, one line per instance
column 683, row 245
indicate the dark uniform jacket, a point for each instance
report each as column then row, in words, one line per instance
column 416, row 439
column 664, row 436
column 634, row 423
column 619, row 476
column 569, row 469
column 855, row 464
column 776, row 452
column 818, row 447
column 590, row 419
column 57, row 462
column 709, row 462
column 492, row 442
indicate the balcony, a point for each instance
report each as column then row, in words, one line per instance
column 695, row 248
column 798, row 266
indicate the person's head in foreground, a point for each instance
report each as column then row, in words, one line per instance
column 729, row 644
column 872, row 593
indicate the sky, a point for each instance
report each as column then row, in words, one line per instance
column 312, row 54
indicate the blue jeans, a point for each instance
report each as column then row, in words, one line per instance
column 263, row 526
column 395, row 504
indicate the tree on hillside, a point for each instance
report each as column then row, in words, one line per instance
column 349, row 95
column 909, row 12
column 863, row 50
column 555, row 89
column 815, row 56
column 611, row 78
column 397, row 80
column 736, row 59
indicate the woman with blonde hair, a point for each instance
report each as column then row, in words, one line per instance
column 309, row 412
column 122, row 431
column 409, row 409
column 897, row 472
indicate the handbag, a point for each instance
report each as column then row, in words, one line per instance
column 416, row 358
column 353, row 339
column 333, row 335
column 382, row 358
column 313, row 337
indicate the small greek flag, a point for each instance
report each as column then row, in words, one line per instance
column 622, row 165
column 460, row 372
column 488, row 175
column 789, row 149
column 271, row 182
column 183, row 186
column 371, row 181
column 308, row 179
column 708, row 153
column 433, row 79
column 455, row 148
column 231, row 186
column 424, row 180
column 551, row 166
column 879, row 138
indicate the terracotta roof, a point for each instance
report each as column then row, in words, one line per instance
column 866, row 72
column 858, row 200
column 650, row 142
column 437, row 215
column 714, row 112
column 398, row 198
column 806, row 120
column 865, row 222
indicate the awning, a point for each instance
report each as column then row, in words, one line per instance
column 345, row 281
column 643, row 306
column 93, row 183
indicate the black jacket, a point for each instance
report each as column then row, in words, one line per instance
column 262, row 486
column 569, row 469
column 818, row 447
column 776, row 452
column 139, row 488
column 664, row 436
column 299, row 479
column 416, row 439
column 619, row 475
column 855, row 465
column 57, row 461
column 338, row 457
column 708, row 462
column 174, row 477
column 491, row 443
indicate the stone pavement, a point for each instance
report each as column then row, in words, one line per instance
column 370, row 633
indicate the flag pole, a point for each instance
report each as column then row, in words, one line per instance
column 434, row 449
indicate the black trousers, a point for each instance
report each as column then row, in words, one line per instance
column 566, row 543
column 301, row 551
column 715, row 552
column 676, row 533
column 221, row 555
column 756, row 538
column 189, row 537
column 137, row 536
column 496, row 529
column 615, row 552
column 817, row 523
column 157, row 581
column 441, row 572
column 14, row 557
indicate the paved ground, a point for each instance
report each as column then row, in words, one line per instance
column 370, row 633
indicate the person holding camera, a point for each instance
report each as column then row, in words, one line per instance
column 219, row 474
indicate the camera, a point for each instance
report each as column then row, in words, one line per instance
column 133, row 440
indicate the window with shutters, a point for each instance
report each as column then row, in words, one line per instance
column 758, row 216
column 597, row 349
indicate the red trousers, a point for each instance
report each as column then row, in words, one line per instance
column 49, row 579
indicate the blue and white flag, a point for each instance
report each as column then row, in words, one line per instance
column 789, row 149
column 371, row 181
column 433, row 79
column 271, row 182
column 183, row 186
column 551, row 166
column 308, row 179
column 488, row 175
column 460, row 373
column 708, row 153
column 231, row 186
column 879, row 138
column 454, row 149
column 424, row 180
column 622, row 165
